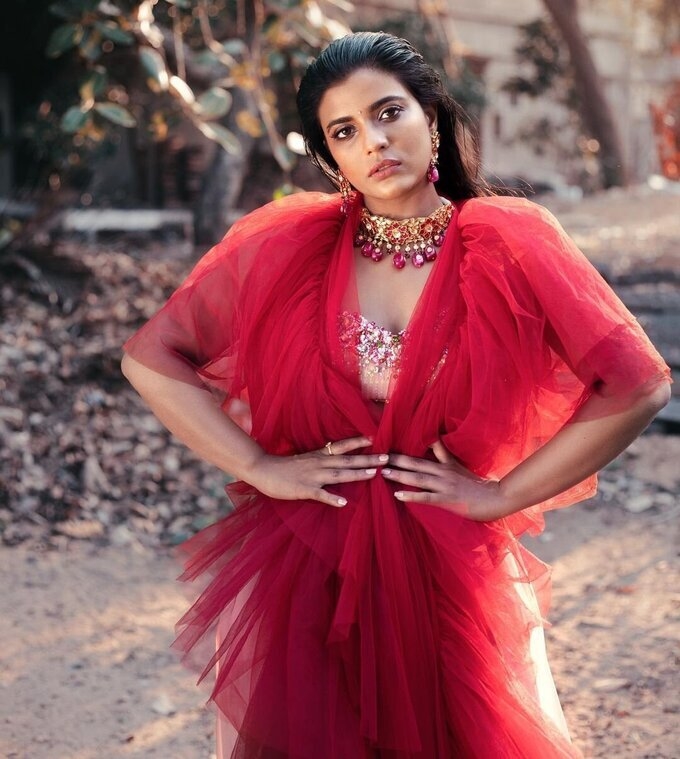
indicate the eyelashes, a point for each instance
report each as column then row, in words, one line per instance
column 389, row 113
column 342, row 133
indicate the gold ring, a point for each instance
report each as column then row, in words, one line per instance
column 329, row 448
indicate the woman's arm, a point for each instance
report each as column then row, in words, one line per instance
column 193, row 416
column 591, row 439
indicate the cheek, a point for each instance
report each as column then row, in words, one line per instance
column 349, row 161
column 420, row 147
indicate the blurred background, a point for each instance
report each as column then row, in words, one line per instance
column 132, row 134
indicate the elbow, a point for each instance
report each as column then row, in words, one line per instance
column 659, row 396
column 130, row 368
column 125, row 366
column 653, row 400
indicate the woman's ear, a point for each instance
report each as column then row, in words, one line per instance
column 431, row 116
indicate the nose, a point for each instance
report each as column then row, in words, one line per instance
column 375, row 139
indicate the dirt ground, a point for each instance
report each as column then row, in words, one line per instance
column 86, row 672
column 85, row 626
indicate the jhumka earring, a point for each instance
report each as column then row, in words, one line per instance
column 346, row 192
column 432, row 171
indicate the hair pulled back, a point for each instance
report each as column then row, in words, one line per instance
column 458, row 154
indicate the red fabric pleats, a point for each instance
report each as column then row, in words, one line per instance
column 383, row 629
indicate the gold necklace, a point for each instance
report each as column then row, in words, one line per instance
column 417, row 239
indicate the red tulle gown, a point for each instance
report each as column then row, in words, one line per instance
column 387, row 630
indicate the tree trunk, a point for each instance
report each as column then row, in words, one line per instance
column 595, row 111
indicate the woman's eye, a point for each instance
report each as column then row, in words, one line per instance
column 342, row 133
column 391, row 112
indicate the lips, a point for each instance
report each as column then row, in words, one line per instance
column 389, row 163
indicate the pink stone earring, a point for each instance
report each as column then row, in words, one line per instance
column 346, row 192
column 432, row 171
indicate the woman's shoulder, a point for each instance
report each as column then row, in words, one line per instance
column 275, row 231
column 295, row 209
column 502, row 210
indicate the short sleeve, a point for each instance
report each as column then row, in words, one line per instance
column 584, row 320
column 196, row 325
column 200, row 335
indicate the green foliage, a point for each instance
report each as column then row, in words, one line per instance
column 223, row 136
column 541, row 52
column 214, row 103
column 75, row 119
column 116, row 114
column 548, row 75
column 64, row 38
column 190, row 56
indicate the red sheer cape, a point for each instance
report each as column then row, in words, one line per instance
column 386, row 629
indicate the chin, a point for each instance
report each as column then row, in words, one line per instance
column 398, row 194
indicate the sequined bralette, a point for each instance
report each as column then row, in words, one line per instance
column 378, row 352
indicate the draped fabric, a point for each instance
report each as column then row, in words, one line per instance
column 385, row 629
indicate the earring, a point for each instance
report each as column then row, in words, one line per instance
column 432, row 171
column 346, row 192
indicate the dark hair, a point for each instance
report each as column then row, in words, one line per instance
column 458, row 153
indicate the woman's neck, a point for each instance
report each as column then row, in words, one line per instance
column 422, row 204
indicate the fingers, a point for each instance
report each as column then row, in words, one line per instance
column 433, row 499
column 412, row 464
column 338, row 476
column 350, row 444
column 330, row 499
column 355, row 461
column 441, row 452
column 416, row 479
column 348, row 475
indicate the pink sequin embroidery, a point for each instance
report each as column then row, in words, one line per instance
column 378, row 351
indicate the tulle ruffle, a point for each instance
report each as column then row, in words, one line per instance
column 388, row 630
column 370, row 631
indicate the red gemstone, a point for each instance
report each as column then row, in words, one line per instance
column 418, row 259
column 399, row 261
column 377, row 254
column 430, row 253
column 367, row 250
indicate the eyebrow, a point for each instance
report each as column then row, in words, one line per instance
column 372, row 107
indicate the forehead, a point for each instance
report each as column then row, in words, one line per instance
column 355, row 94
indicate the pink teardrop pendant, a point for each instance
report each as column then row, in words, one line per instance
column 399, row 261
column 430, row 253
column 432, row 173
column 418, row 259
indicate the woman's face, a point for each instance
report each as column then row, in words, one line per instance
column 379, row 135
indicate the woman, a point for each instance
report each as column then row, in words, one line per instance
column 436, row 366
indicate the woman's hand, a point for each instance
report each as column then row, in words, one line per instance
column 447, row 484
column 304, row 476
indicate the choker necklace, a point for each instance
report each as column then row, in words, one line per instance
column 417, row 239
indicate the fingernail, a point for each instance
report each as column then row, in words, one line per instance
column 383, row 458
column 371, row 471
column 342, row 502
column 387, row 472
column 399, row 494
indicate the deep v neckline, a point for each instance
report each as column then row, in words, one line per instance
column 408, row 327
column 411, row 321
